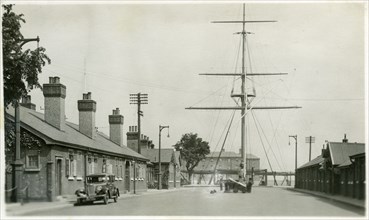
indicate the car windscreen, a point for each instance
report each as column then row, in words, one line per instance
column 96, row 179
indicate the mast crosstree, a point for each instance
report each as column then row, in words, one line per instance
column 243, row 96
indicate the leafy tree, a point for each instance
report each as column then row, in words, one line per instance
column 192, row 149
column 20, row 68
column 27, row 140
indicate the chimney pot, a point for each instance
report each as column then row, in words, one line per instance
column 26, row 102
column 26, row 99
column 345, row 140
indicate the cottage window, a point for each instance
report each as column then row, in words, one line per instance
column 71, row 167
column 33, row 160
column 79, row 168
column 104, row 166
column 109, row 168
column 74, row 168
column 138, row 172
column 91, row 166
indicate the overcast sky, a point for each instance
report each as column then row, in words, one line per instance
column 159, row 49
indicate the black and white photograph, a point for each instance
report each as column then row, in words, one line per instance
column 184, row 109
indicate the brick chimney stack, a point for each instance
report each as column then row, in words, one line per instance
column 116, row 121
column 145, row 142
column 55, row 93
column 87, row 109
column 132, row 138
column 26, row 102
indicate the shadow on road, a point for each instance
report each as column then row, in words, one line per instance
column 341, row 205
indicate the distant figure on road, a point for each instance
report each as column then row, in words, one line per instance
column 221, row 183
column 249, row 185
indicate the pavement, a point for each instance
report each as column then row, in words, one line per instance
column 17, row 209
column 342, row 199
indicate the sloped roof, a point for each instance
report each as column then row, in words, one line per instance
column 340, row 152
column 313, row 162
column 229, row 154
column 166, row 154
column 35, row 123
column 346, row 163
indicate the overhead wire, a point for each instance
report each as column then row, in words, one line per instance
column 255, row 118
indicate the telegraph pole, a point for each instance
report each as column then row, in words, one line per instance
column 294, row 137
column 160, row 129
column 310, row 140
column 138, row 99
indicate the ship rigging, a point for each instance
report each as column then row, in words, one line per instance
column 244, row 102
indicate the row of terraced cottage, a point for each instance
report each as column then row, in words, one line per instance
column 339, row 170
column 58, row 154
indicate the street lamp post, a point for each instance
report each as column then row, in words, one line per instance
column 134, row 176
column 294, row 137
column 159, row 178
column 18, row 163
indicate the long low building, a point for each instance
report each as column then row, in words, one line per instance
column 227, row 166
column 339, row 170
column 57, row 154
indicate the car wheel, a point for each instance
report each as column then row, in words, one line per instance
column 106, row 199
column 118, row 195
column 115, row 198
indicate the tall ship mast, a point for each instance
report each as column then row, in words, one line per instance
column 245, row 98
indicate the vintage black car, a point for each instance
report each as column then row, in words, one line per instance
column 98, row 187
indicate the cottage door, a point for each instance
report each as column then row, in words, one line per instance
column 127, row 176
column 58, row 177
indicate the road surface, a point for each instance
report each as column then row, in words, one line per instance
column 263, row 201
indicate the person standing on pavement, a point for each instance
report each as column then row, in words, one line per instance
column 221, row 183
column 249, row 185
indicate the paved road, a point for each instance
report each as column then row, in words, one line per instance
column 199, row 202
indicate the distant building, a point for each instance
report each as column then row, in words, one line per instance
column 58, row 154
column 339, row 170
column 170, row 167
column 228, row 165
column 170, row 160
